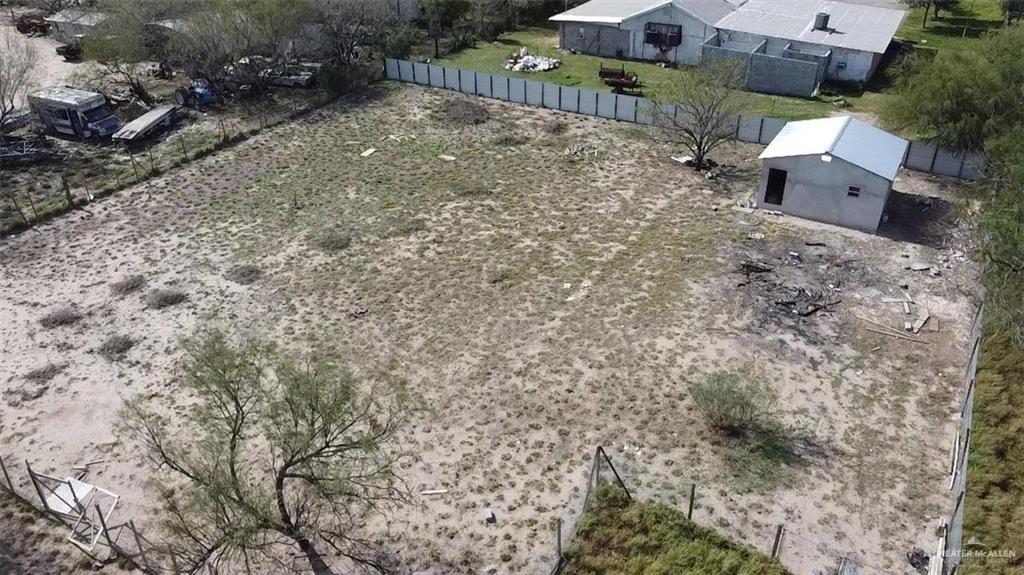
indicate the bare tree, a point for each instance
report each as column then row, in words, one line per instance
column 239, row 41
column 700, row 107
column 17, row 61
column 348, row 26
column 276, row 453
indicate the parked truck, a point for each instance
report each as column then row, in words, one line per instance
column 74, row 112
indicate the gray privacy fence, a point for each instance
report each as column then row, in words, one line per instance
column 623, row 107
column 951, row 543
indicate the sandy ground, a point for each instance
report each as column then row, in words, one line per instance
column 539, row 303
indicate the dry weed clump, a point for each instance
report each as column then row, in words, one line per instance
column 116, row 346
column 734, row 403
column 129, row 284
column 462, row 113
column 332, row 241
column 510, row 139
column 45, row 373
column 61, row 317
column 554, row 127
column 163, row 298
column 245, row 274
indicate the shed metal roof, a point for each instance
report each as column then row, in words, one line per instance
column 619, row 11
column 849, row 139
column 852, row 26
column 78, row 16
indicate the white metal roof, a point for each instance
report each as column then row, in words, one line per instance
column 77, row 16
column 70, row 96
column 619, row 11
column 852, row 26
column 849, row 139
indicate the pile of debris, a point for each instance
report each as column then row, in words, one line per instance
column 22, row 151
column 522, row 61
column 790, row 290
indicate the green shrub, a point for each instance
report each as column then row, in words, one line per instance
column 626, row 537
column 734, row 402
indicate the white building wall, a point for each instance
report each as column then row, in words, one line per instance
column 695, row 32
column 818, row 190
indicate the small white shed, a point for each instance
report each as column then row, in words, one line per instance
column 834, row 170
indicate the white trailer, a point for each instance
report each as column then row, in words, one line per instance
column 74, row 112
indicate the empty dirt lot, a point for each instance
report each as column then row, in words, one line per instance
column 540, row 303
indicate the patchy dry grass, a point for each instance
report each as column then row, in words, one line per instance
column 538, row 303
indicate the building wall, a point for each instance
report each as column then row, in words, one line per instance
column 817, row 190
column 627, row 40
column 594, row 39
column 695, row 32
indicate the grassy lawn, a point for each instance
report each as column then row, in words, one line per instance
column 581, row 71
column 956, row 30
column 634, row 538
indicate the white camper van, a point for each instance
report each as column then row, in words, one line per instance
column 74, row 112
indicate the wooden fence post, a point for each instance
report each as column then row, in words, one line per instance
column 106, row 534
column 693, row 494
column 777, row 545
column 7, row 476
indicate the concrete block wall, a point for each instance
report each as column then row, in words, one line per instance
column 920, row 156
column 783, row 76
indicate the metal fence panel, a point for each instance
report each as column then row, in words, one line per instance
column 973, row 164
column 483, row 85
column 406, row 71
column 499, row 87
column 391, row 69
column 421, row 73
column 947, row 163
column 436, row 75
column 534, row 93
column 625, row 108
column 770, row 128
column 920, row 156
column 588, row 102
column 606, row 105
column 570, row 100
column 467, row 82
column 645, row 111
column 517, row 90
column 749, row 129
column 451, row 78
column 552, row 96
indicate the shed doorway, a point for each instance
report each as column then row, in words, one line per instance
column 776, row 187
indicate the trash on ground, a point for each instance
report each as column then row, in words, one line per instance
column 522, row 61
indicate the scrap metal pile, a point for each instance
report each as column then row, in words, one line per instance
column 522, row 61
column 18, row 151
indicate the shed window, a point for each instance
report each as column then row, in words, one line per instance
column 666, row 35
column 853, row 191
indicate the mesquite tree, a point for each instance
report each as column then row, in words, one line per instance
column 275, row 453
column 700, row 107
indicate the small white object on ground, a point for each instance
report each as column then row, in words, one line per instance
column 447, row 158
column 368, row 152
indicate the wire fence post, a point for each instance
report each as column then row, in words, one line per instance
column 35, row 483
column 138, row 543
column 777, row 545
column 7, row 476
column 693, row 495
